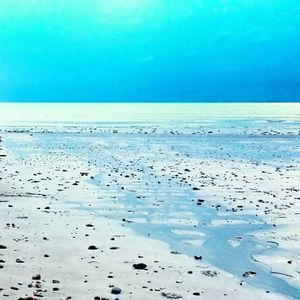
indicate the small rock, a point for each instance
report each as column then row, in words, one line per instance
column 116, row 291
column 171, row 295
column 55, row 281
column 140, row 266
column 93, row 247
column 198, row 257
column 36, row 277
column 249, row 274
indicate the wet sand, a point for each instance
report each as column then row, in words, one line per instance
column 150, row 212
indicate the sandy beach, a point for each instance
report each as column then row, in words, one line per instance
column 149, row 150
column 207, row 209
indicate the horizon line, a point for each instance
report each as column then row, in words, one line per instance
column 148, row 102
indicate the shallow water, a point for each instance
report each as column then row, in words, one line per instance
column 215, row 248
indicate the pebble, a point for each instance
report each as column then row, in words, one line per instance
column 36, row 277
column 92, row 247
column 116, row 291
column 140, row 266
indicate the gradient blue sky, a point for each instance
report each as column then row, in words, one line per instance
column 149, row 50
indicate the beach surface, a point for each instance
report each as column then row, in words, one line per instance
column 150, row 201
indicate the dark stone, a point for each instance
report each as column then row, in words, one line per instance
column 36, row 277
column 93, row 247
column 116, row 291
column 171, row 295
column 249, row 274
column 140, row 266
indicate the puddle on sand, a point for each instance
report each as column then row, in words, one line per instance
column 215, row 244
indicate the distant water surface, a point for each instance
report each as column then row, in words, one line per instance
column 144, row 112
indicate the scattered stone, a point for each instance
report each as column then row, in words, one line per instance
column 140, row 266
column 171, row 295
column 36, row 277
column 198, row 257
column 55, row 281
column 209, row 273
column 249, row 274
column 92, row 247
column 116, row 291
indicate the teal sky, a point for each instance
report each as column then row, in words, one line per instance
column 149, row 50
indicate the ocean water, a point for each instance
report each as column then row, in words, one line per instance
column 144, row 112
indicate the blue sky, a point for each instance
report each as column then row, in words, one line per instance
column 149, row 50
